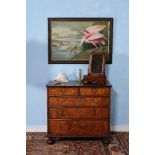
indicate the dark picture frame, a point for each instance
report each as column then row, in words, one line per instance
column 70, row 40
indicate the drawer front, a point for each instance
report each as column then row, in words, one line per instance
column 77, row 101
column 95, row 91
column 78, row 113
column 63, row 91
column 78, row 127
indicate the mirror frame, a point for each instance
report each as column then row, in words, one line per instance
column 90, row 63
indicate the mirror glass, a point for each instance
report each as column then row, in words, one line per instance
column 96, row 65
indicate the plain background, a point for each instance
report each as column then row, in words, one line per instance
column 13, row 77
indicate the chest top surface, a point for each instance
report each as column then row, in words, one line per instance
column 76, row 84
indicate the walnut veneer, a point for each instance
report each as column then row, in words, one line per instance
column 78, row 110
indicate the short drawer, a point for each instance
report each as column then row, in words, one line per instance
column 63, row 91
column 78, row 127
column 78, row 113
column 78, row 101
column 95, row 91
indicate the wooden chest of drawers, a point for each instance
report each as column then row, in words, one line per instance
column 78, row 110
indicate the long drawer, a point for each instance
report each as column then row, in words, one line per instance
column 78, row 127
column 87, row 91
column 78, row 112
column 78, row 101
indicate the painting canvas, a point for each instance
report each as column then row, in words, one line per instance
column 70, row 40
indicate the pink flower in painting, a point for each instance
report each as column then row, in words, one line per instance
column 92, row 35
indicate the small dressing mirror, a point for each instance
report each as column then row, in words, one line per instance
column 96, row 68
column 96, row 63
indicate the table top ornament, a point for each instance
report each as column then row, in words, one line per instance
column 61, row 77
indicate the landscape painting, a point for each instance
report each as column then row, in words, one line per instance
column 70, row 40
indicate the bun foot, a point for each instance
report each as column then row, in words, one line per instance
column 106, row 140
column 50, row 141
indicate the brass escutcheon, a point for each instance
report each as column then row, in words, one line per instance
column 94, row 112
column 60, row 113
column 84, row 91
column 53, row 91
column 78, row 123
column 60, row 101
column 59, row 127
column 78, row 110
column 94, row 90
column 97, row 100
column 72, row 91
column 64, row 91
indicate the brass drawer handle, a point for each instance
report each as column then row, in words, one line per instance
column 78, row 110
column 84, row 91
column 53, row 91
column 79, row 100
column 78, row 123
column 97, row 100
column 64, row 91
column 60, row 113
column 94, row 112
column 94, row 90
column 96, row 127
column 72, row 91
column 104, row 90
column 59, row 127
column 60, row 101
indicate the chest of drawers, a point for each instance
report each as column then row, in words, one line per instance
column 78, row 110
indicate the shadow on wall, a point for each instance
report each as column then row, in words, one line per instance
column 118, row 75
column 36, row 63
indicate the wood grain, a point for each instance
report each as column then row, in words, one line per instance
column 78, row 110
column 77, row 127
column 78, row 101
column 72, row 113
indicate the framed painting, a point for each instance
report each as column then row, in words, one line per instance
column 70, row 40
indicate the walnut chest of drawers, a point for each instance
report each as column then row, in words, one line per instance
column 78, row 110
